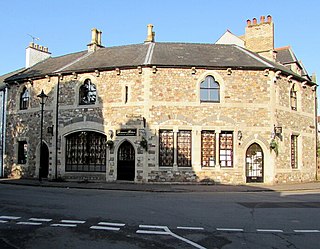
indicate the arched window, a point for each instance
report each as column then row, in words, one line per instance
column 86, row 152
column 87, row 93
column 24, row 99
column 209, row 90
column 293, row 98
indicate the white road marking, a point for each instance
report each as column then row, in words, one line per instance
column 270, row 230
column 111, row 224
column 3, row 221
column 73, row 221
column 191, row 228
column 307, row 231
column 40, row 219
column 149, row 226
column 105, row 228
column 10, row 217
column 29, row 223
column 230, row 229
column 167, row 231
column 63, row 225
column 152, row 232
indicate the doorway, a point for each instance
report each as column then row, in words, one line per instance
column 126, row 162
column 44, row 161
column 254, row 163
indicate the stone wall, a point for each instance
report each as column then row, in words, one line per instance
column 168, row 98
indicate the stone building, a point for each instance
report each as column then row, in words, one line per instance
column 164, row 112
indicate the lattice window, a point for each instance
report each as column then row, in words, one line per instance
column 294, row 151
column 166, row 146
column 226, row 149
column 86, row 151
column 208, row 148
column 184, row 148
column 87, row 93
column 24, row 99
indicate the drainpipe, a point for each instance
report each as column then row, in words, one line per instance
column 57, row 126
column 3, row 131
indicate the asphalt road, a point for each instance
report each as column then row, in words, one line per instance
column 35, row 217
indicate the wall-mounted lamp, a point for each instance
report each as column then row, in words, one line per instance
column 110, row 134
column 239, row 135
column 277, row 131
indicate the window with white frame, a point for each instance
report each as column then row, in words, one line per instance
column 226, row 148
column 209, row 90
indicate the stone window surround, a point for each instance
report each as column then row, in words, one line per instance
column 77, row 89
column 16, row 149
column 295, row 87
column 218, row 78
column 196, row 133
column 19, row 97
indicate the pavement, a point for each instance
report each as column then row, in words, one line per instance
column 166, row 187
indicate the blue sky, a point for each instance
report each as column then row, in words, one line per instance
column 65, row 25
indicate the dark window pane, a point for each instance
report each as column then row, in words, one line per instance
column 184, row 148
column 22, row 152
column 166, row 148
column 24, row 99
column 86, row 151
column 87, row 93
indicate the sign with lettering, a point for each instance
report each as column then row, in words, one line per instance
column 126, row 132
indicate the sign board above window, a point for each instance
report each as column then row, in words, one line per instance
column 126, row 132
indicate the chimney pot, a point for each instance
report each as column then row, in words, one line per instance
column 262, row 19
column 248, row 22
column 254, row 21
column 269, row 18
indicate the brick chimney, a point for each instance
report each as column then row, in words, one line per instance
column 259, row 37
column 35, row 54
column 95, row 40
column 150, row 34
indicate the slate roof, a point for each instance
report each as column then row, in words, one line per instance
column 7, row 75
column 46, row 67
column 147, row 54
column 285, row 55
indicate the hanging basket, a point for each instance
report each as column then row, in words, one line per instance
column 110, row 143
column 144, row 143
column 274, row 146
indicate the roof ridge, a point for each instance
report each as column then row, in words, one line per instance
column 73, row 62
column 149, row 54
column 254, row 56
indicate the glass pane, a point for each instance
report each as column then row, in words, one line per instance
column 208, row 148
column 204, row 95
column 184, row 148
column 166, row 148
column 86, row 151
